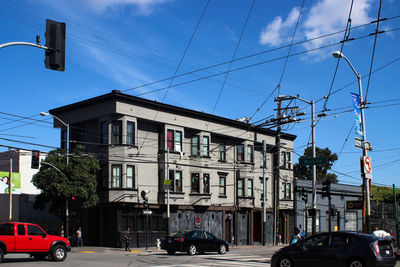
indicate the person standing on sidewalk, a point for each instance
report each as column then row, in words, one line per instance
column 127, row 239
column 79, row 237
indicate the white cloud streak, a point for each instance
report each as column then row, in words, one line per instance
column 324, row 17
column 143, row 7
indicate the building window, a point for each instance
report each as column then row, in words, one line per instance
column 178, row 181
column 250, row 187
column 286, row 160
column 240, row 152
column 116, row 131
column 170, row 140
column 130, row 133
column 178, row 141
column 116, row 176
column 195, row 183
column 206, row 146
column 195, row 145
column 174, row 140
column 250, row 157
column 262, row 185
column 206, row 183
column 286, row 191
column 104, row 133
column 130, row 176
column 222, row 185
column 222, row 152
column 240, row 187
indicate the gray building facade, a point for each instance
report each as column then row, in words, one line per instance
column 212, row 164
column 345, row 201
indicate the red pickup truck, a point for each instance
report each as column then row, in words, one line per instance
column 18, row 237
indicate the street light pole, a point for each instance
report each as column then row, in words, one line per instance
column 66, row 232
column 338, row 54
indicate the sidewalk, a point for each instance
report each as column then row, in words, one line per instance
column 152, row 250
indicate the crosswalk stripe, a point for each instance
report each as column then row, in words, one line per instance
column 218, row 260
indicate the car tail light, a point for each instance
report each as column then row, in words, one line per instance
column 375, row 247
column 179, row 239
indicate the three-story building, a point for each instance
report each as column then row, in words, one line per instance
column 211, row 165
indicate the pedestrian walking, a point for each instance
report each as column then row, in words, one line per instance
column 79, row 237
column 127, row 239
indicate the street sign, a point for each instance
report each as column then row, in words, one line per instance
column 167, row 184
column 147, row 212
column 313, row 161
column 359, row 143
column 354, row 204
column 367, row 165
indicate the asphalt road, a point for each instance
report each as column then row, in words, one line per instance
column 246, row 256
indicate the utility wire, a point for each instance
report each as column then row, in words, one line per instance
column 234, row 55
column 373, row 50
column 284, row 66
column 345, row 38
column 180, row 62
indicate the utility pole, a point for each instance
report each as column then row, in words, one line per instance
column 264, row 197
column 396, row 208
column 277, row 172
column 10, row 189
column 168, row 186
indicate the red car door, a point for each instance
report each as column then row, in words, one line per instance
column 21, row 239
column 38, row 239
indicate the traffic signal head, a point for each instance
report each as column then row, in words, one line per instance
column 55, row 42
column 35, row 159
column 304, row 195
column 326, row 188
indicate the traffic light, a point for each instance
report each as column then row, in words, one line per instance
column 304, row 195
column 55, row 42
column 35, row 159
column 333, row 211
column 326, row 188
column 145, row 198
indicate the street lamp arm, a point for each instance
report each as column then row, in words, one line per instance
column 51, row 165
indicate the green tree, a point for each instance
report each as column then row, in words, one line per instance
column 59, row 182
column 384, row 194
column 305, row 172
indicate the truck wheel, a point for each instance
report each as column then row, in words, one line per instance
column 59, row 253
column 1, row 254
column 40, row 256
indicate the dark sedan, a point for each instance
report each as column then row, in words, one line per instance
column 336, row 249
column 193, row 242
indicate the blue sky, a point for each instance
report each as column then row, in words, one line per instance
column 124, row 44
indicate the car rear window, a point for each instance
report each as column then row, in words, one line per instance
column 178, row 234
column 6, row 229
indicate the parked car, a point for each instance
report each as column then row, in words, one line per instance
column 193, row 242
column 347, row 249
column 18, row 237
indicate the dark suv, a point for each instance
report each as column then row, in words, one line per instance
column 347, row 249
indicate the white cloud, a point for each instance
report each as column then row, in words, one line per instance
column 330, row 16
column 324, row 17
column 278, row 31
column 143, row 7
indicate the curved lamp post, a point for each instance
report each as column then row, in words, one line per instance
column 66, row 201
column 338, row 54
